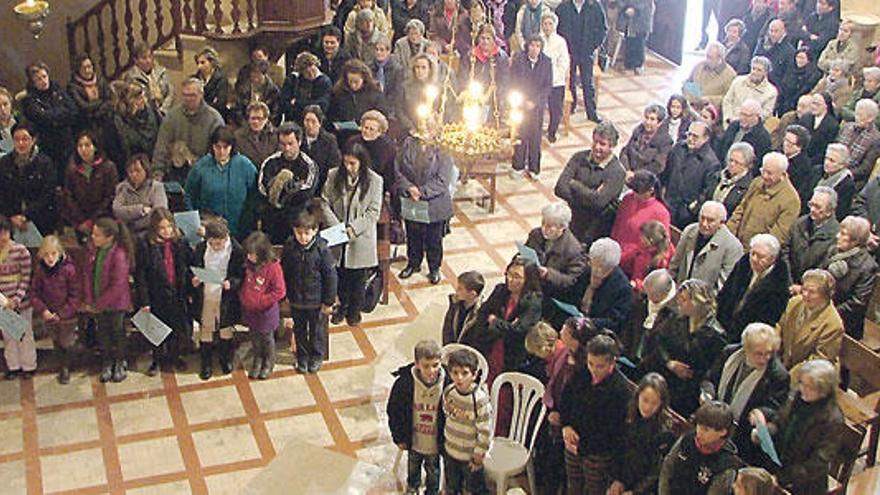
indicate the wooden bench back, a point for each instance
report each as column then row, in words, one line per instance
column 861, row 361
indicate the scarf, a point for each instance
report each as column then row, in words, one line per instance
column 744, row 392
column 531, row 20
column 89, row 86
column 673, row 125
column 654, row 308
column 725, row 185
column 483, row 56
column 834, row 179
column 52, row 270
column 168, row 256
column 838, row 264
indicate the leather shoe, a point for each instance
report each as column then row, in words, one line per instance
column 434, row 277
column 408, row 272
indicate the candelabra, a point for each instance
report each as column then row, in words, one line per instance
column 34, row 12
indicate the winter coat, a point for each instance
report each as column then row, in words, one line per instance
column 361, row 214
column 867, row 202
column 713, row 263
column 440, row 29
column 431, row 172
column 217, row 91
column 817, row 338
column 93, row 114
column 686, row 471
column 797, row 82
column 57, row 289
column 781, row 57
column 30, row 190
column 864, row 150
column 824, row 26
column 452, row 331
column 263, row 288
column 834, row 50
column 129, row 203
column 645, row 443
column 54, row 115
column 534, row 83
column 807, row 438
column 268, row 93
column 642, row 23
column 394, row 75
column 854, row 273
column 324, row 151
column 222, row 190
column 650, row 156
column 309, row 273
column 612, row 301
column 256, row 145
column 512, row 330
column 195, row 130
column 820, row 137
column 632, row 213
column 770, row 210
column 304, row 92
column 590, row 190
column 841, row 91
column 287, row 185
column 400, row 408
column 808, row 245
column 803, row 176
column 689, row 173
column 712, row 81
column 564, row 259
column 135, row 133
column 741, row 89
column 401, row 14
column 88, row 198
column 757, row 136
column 230, row 307
column 584, row 31
column 157, row 86
column 848, row 111
column 115, row 287
column 349, row 106
column 734, row 195
column 596, row 412
column 738, row 306
column 404, row 52
column 169, row 302
column 843, row 184
column 383, row 153
column 739, row 57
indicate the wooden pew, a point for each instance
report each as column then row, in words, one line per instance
column 864, row 410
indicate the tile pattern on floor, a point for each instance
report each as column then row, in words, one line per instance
column 173, row 434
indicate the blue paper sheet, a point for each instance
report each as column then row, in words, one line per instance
column 568, row 308
column 154, row 329
column 30, row 237
column 528, row 253
column 414, row 211
column 12, row 323
column 189, row 222
column 692, row 88
column 767, row 444
column 335, row 235
column 207, row 275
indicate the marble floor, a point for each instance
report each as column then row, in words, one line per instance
column 321, row 433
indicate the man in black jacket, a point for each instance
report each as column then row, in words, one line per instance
column 690, row 165
column 777, row 47
column 748, row 128
column 582, row 24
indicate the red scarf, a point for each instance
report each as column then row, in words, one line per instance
column 709, row 448
column 482, row 56
column 169, row 262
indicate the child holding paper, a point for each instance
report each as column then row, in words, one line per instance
column 216, row 306
column 55, row 294
column 263, row 288
column 162, row 281
column 310, row 273
column 15, row 279
column 108, row 292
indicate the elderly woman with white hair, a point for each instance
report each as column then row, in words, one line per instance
column 840, row 49
column 854, row 270
column 837, row 176
column 806, row 430
column 414, row 42
column 684, row 348
column 757, row 289
column 811, row 327
column 607, row 296
column 561, row 255
column 863, row 140
column 747, row 377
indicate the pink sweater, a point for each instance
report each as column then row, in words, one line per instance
column 631, row 214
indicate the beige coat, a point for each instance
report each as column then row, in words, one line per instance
column 766, row 210
column 819, row 338
column 713, row 83
column 742, row 89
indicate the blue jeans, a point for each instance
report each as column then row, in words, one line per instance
column 414, row 471
column 460, row 478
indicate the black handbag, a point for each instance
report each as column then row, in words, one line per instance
column 373, row 286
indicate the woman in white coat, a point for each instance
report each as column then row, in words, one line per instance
column 556, row 48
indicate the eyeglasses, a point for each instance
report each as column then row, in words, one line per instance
column 694, row 135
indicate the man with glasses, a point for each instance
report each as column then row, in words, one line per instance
column 691, row 164
column 748, row 128
column 258, row 139
column 706, row 250
column 771, row 205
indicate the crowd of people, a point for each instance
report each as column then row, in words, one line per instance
column 271, row 160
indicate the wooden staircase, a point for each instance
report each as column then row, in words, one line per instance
column 110, row 29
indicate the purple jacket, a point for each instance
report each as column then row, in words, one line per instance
column 56, row 289
column 115, row 287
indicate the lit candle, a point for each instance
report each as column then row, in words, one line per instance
column 30, row 7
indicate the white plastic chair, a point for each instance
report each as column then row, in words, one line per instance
column 510, row 455
column 482, row 364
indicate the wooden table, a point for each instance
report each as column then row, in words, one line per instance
column 482, row 168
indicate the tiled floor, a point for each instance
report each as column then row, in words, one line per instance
column 177, row 434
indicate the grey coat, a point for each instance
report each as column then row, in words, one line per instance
column 590, row 191
column 714, row 262
column 360, row 215
column 431, row 172
column 195, row 130
column 129, row 203
column 805, row 250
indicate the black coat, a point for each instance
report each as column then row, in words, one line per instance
column 757, row 136
column 781, row 57
column 808, row 246
column 853, row 290
column 54, row 114
column 797, row 82
column 820, row 137
column 687, row 471
column 348, row 106
column 769, row 394
column 134, row 134
column 645, row 443
column 534, row 83
column 400, row 408
column 584, row 31
column 689, row 173
column 304, row 93
column 845, row 189
column 754, row 24
column 169, row 303
column 802, row 175
column 764, row 303
column 324, row 150
column 29, row 190
column 309, row 273
column 596, row 412
column 651, row 157
column 734, row 196
column 739, row 56
column 823, row 25
column 394, row 77
column 565, row 261
column 513, row 330
column 591, row 192
column 612, row 301
column 217, row 92
column 230, row 308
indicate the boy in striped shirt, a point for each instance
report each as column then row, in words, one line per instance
column 468, row 426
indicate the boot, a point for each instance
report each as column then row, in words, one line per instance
column 266, row 369
column 205, row 351
column 174, row 354
column 154, row 366
column 119, row 371
column 227, row 353
column 256, row 368
column 64, row 372
column 106, row 372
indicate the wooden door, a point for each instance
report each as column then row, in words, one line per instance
column 666, row 39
